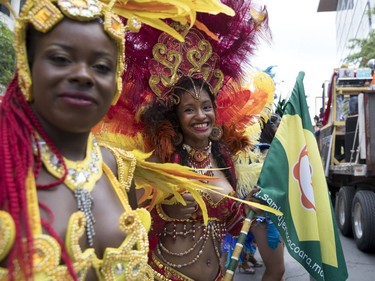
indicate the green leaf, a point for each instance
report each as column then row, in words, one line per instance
column 8, row 55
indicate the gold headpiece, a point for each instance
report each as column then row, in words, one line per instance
column 173, row 59
column 45, row 14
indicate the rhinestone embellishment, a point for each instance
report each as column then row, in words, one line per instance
column 80, row 8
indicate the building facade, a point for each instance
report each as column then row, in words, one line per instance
column 354, row 20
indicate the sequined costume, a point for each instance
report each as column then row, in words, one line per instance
column 127, row 262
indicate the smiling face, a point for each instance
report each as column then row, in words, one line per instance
column 73, row 70
column 196, row 117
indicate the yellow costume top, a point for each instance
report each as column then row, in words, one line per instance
column 127, row 262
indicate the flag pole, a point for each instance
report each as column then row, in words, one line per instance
column 238, row 248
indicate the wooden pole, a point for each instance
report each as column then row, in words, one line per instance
column 229, row 274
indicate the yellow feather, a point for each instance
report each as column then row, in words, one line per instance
column 172, row 179
column 161, row 180
column 124, row 142
column 151, row 12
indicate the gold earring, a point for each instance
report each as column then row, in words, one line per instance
column 177, row 140
column 216, row 133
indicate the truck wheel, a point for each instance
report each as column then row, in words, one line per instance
column 363, row 220
column 343, row 209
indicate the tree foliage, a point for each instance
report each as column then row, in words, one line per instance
column 7, row 55
column 366, row 50
column 366, row 47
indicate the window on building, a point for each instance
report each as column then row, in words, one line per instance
column 345, row 5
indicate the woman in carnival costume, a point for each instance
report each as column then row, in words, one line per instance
column 247, row 260
column 186, row 248
column 194, row 111
column 65, row 199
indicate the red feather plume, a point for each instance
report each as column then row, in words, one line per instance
column 237, row 36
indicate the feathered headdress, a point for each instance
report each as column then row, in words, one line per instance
column 233, row 40
column 218, row 51
column 221, row 57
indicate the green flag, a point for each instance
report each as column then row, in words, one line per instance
column 292, row 180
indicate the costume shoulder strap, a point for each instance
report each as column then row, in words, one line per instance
column 126, row 163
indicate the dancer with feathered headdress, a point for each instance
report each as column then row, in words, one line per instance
column 192, row 108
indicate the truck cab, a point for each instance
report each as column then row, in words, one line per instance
column 347, row 147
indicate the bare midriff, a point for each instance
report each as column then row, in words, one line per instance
column 192, row 248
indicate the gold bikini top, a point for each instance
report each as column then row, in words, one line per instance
column 127, row 262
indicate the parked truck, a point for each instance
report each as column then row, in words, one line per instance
column 347, row 147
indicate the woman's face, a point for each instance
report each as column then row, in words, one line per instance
column 196, row 117
column 73, row 70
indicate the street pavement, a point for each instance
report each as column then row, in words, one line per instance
column 293, row 271
column 361, row 266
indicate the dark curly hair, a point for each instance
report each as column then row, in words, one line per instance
column 163, row 114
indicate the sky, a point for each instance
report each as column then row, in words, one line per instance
column 302, row 40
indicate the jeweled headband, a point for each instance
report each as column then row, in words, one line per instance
column 45, row 14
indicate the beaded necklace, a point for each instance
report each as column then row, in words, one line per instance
column 199, row 159
column 81, row 179
column 214, row 229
